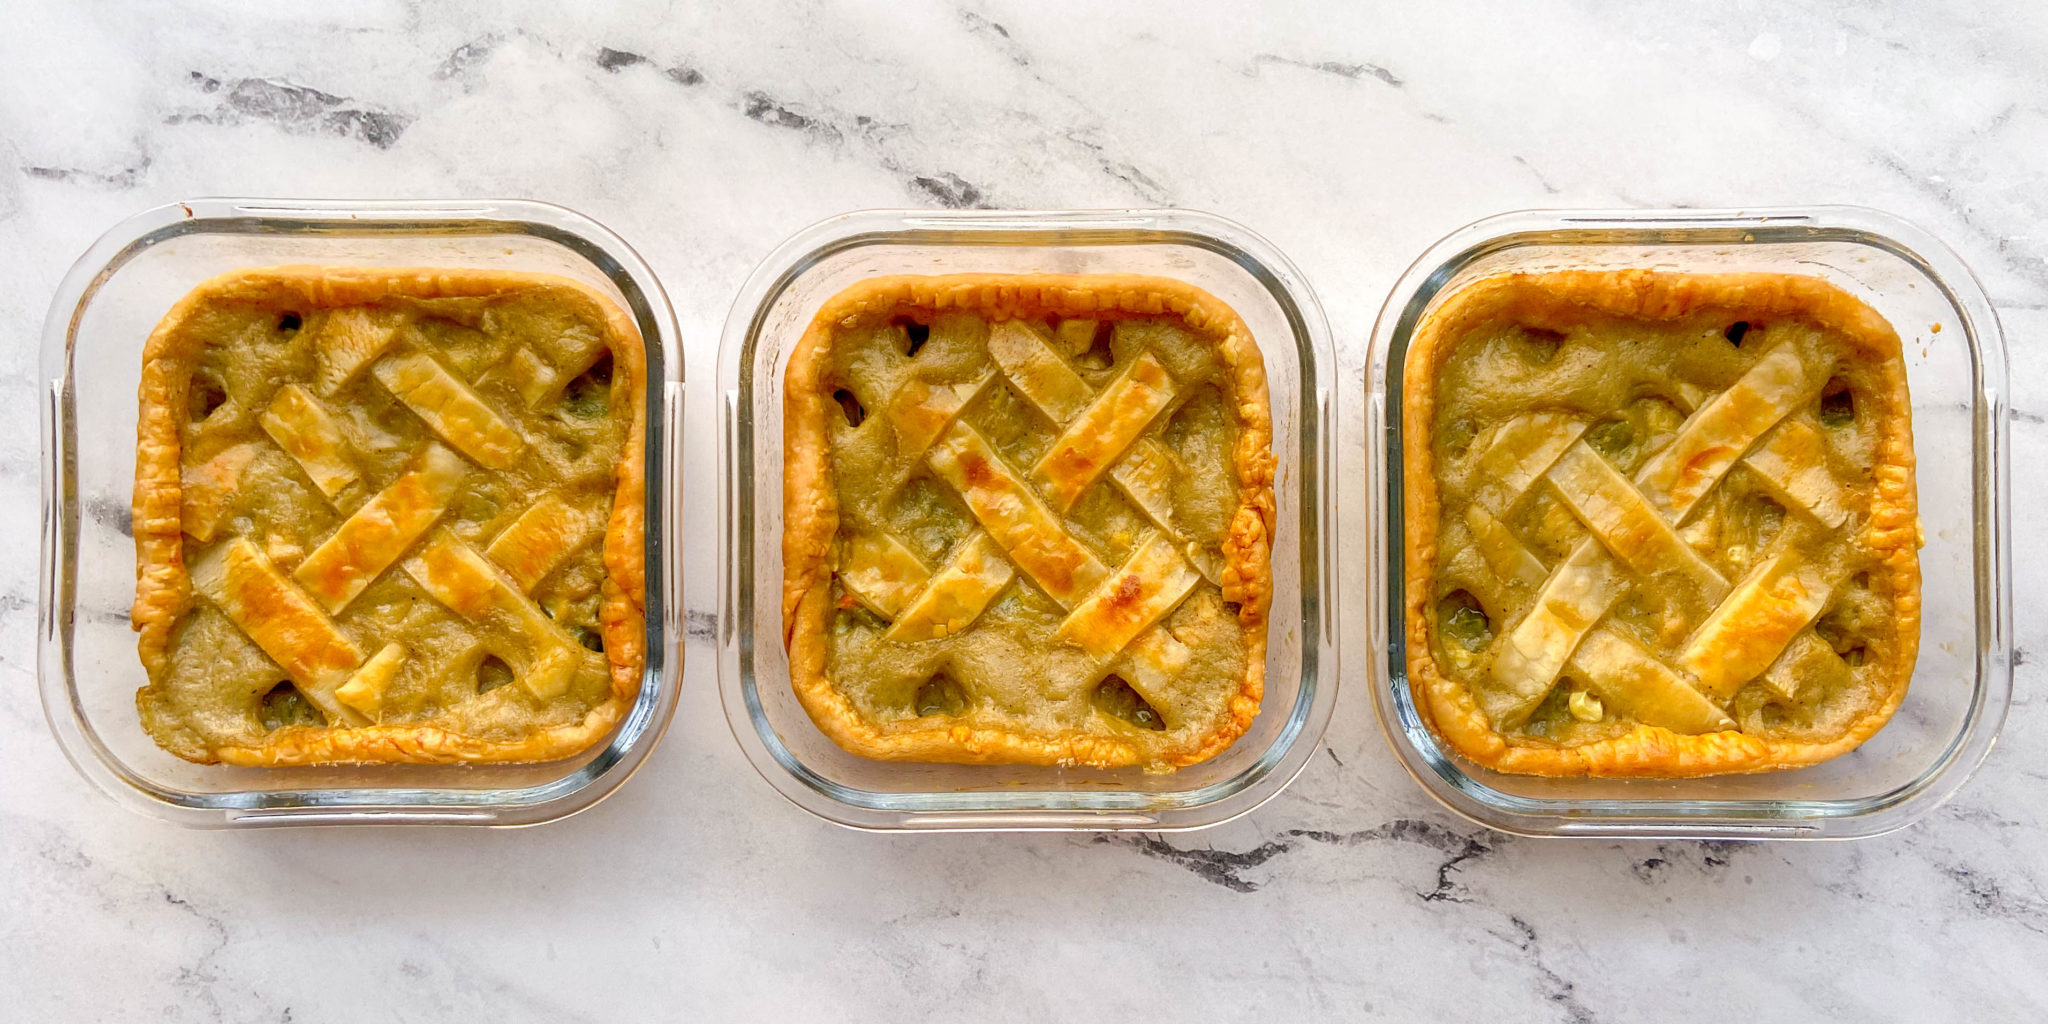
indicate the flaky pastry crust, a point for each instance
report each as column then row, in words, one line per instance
column 1556, row 302
column 164, row 587
column 812, row 521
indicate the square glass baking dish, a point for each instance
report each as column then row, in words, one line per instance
column 768, row 318
column 1955, row 362
column 91, row 362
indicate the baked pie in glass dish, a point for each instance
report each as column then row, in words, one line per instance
column 1659, row 524
column 1027, row 520
column 389, row 515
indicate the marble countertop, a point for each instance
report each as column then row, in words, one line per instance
column 1352, row 136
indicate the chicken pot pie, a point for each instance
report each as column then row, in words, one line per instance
column 1658, row 524
column 389, row 515
column 1027, row 520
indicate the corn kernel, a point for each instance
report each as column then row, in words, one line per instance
column 1586, row 707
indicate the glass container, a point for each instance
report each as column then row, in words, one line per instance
column 89, row 671
column 768, row 318
column 1955, row 363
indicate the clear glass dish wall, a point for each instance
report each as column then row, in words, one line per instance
column 1956, row 372
column 91, row 363
column 1301, row 669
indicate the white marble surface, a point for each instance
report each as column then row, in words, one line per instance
column 1352, row 136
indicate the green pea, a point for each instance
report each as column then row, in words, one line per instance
column 1469, row 627
column 587, row 400
column 1612, row 437
column 284, row 705
column 1114, row 696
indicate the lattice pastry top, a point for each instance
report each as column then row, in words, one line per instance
column 389, row 515
column 1658, row 524
column 1027, row 520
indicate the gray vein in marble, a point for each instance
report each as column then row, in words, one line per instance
column 1560, row 991
column 1993, row 901
column 1341, row 69
column 700, row 625
column 1122, row 170
column 614, row 60
column 2027, row 265
column 828, row 127
column 1710, row 858
column 1548, row 188
column 761, row 107
column 199, row 977
column 118, row 514
column 949, row 190
column 1982, row 816
column 295, row 108
column 2030, row 267
column 124, row 177
column 1220, row 867
column 1000, row 39
column 997, row 36
column 1226, row 868
column 467, row 57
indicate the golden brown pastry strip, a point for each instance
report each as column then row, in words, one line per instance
column 957, row 594
column 1744, row 634
column 1039, row 374
column 881, row 573
column 1637, row 684
column 549, row 531
column 307, row 432
column 261, row 602
column 1098, row 438
column 212, row 488
column 351, row 338
column 365, row 690
column 1623, row 519
column 1128, row 602
column 1682, row 472
column 1792, row 462
column 464, row 580
column 1521, row 450
column 1015, row 516
column 380, row 532
column 921, row 411
column 451, row 408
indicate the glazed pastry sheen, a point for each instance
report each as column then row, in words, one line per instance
column 1657, row 524
column 1027, row 520
column 389, row 515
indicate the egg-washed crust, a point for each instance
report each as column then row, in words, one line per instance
column 811, row 513
column 1560, row 299
column 163, row 591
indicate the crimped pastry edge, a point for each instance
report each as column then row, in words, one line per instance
column 1892, row 533
column 163, row 591
column 811, row 514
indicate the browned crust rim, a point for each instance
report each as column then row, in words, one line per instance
column 163, row 588
column 1562, row 298
column 811, row 514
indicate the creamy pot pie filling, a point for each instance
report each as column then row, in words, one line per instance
column 1028, row 520
column 1659, row 524
column 388, row 515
